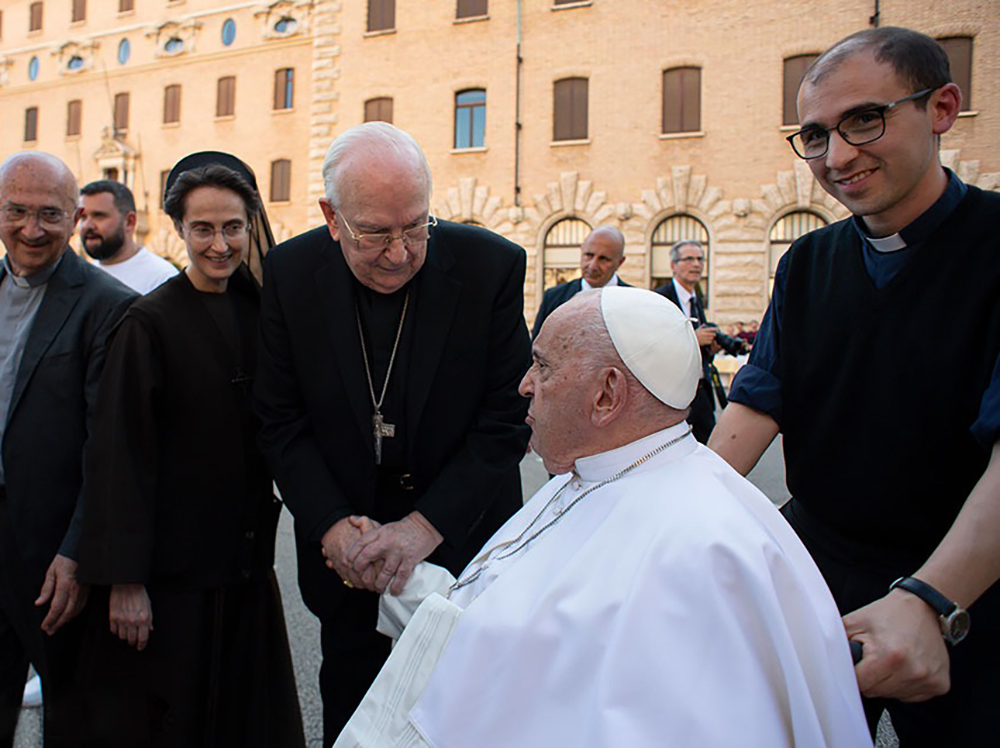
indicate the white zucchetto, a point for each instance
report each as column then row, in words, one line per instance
column 655, row 341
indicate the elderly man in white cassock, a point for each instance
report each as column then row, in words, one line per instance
column 647, row 596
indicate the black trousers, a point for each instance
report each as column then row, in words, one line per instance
column 966, row 715
column 353, row 654
column 702, row 415
column 22, row 642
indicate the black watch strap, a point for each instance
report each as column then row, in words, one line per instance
column 928, row 594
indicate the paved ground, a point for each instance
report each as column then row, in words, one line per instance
column 303, row 629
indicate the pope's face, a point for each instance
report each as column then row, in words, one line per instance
column 381, row 196
column 892, row 180
column 557, row 384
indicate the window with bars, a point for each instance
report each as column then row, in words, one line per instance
column 470, row 118
column 31, row 124
column 172, row 104
column 79, row 11
column 281, row 180
column 570, row 109
column 284, row 88
column 225, row 97
column 381, row 15
column 785, row 231
column 74, row 112
column 379, row 110
column 681, row 100
column 121, row 112
column 125, row 5
column 668, row 232
column 794, row 71
column 471, row 8
column 35, row 17
column 959, row 50
column 561, row 251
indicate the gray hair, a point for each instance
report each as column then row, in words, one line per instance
column 675, row 250
column 370, row 136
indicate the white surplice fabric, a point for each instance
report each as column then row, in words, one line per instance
column 672, row 607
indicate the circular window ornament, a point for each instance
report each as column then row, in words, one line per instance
column 174, row 45
column 228, row 32
column 286, row 25
column 33, row 68
column 75, row 63
column 124, row 51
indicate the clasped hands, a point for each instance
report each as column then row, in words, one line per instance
column 371, row 556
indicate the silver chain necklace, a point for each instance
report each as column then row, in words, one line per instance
column 520, row 542
column 379, row 426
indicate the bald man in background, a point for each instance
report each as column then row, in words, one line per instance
column 601, row 254
column 55, row 314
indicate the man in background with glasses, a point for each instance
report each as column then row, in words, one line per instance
column 894, row 470
column 392, row 345
column 55, row 314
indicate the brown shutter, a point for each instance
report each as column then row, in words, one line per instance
column 121, row 112
column 381, row 15
column 74, row 110
column 79, row 10
column 281, row 180
column 378, row 110
column 570, row 109
column 225, row 101
column 125, row 5
column 35, row 21
column 1, row 24
column 172, row 104
column 795, row 70
column 959, row 50
column 471, row 8
column 31, row 124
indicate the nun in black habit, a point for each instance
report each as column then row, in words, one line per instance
column 187, row 645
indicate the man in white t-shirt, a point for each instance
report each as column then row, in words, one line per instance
column 107, row 233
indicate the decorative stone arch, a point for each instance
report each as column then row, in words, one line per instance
column 471, row 201
column 680, row 192
column 969, row 171
column 570, row 197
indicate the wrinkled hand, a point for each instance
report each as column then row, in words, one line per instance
column 705, row 335
column 65, row 595
column 399, row 547
column 336, row 542
column 130, row 614
column 905, row 656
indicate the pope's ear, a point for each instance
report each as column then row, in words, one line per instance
column 330, row 216
column 610, row 398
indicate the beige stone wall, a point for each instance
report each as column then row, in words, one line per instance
column 736, row 175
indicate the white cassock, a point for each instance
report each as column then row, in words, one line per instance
column 671, row 607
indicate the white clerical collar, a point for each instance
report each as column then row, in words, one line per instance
column 887, row 243
column 587, row 287
column 605, row 464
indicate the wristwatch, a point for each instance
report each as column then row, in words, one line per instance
column 954, row 619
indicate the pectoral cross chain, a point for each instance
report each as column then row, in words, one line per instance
column 381, row 429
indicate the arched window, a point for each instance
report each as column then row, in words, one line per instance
column 670, row 231
column 561, row 251
column 785, row 231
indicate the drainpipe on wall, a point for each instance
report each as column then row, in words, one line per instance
column 874, row 18
column 517, row 114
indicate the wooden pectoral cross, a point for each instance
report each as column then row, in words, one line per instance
column 381, row 429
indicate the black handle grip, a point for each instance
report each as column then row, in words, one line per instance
column 857, row 651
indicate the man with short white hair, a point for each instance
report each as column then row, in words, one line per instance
column 107, row 233
column 391, row 348
column 614, row 610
